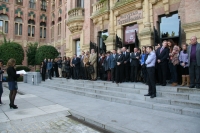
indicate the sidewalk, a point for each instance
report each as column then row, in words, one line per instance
column 131, row 118
column 37, row 115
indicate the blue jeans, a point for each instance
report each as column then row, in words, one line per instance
column 173, row 72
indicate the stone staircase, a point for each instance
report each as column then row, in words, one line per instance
column 179, row 100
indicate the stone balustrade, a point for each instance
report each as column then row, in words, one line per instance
column 100, row 7
column 75, row 13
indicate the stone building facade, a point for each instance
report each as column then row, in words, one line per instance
column 71, row 25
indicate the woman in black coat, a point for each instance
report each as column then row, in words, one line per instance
column 55, row 66
column 12, row 82
column 119, row 67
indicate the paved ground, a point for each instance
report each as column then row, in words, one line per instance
column 132, row 118
column 37, row 115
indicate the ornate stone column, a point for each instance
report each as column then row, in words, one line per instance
column 145, row 34
column 110, row 41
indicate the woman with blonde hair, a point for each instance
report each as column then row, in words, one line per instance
column 12, row 82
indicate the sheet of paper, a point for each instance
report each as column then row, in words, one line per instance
column 21, row 72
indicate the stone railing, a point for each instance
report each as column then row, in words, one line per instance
column 100, row 7
column 121, row 2
column 75, row 13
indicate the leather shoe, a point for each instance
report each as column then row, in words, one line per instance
column 192, row 86
column 152, row 96
column 163, row 84
column 147, row 95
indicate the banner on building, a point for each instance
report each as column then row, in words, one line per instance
column 129, row 33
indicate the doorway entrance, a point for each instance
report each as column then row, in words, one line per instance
column 102, row 36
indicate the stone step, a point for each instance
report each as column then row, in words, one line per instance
column 189, row 90
column 160, row 93
column 140, row 103
column 177, row 102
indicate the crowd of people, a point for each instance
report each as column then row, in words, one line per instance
column 179, row 65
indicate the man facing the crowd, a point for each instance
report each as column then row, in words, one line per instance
column 93, row 62
column 150, row 65
column 194, row 62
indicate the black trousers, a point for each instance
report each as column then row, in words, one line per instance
column 144, row 73
column 194, row 72
column 82, row 72
column 151, row 80
column 119, row 74
column 76, row 73
column 126, row 71
column 134, row 73
column 113, row 73
column 43, row 76
column 162, row 72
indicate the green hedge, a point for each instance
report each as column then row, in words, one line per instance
column 45, row 51
column 11, row 50
column 25, row 68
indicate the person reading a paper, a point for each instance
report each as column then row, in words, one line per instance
column 12, row 82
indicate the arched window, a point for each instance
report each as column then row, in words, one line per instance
column 80, row 3
column 32, row 4
column 31, row 28
column 18, row 26
column 4, row 23
column 42, row 30
column 52, row 29
column 59, row 26
column 43, row 5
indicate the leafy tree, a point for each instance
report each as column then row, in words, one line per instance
column 45, row 51
column 31, row 52
column 9, row 49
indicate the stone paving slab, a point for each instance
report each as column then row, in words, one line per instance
column 133, row 118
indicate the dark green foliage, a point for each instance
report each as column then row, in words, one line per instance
column 25, row 68
column 31, row 52
column 9, row 50
column 45, row 51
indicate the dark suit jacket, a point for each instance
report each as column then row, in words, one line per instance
column 76, row 62
column 113, row 62
column 134, row 60
column 163, row 56
column 127, row 58
column 120, row 58
column 197, row 54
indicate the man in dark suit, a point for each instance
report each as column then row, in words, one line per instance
column 82, row 68
column 126, row 64
column 134, row 63
column 76, row 66
column 162, row 55
column 194, row 62
column 113, row 64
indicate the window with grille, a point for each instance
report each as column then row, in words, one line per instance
column 32, row 4
column 31, row 28
column 43, row 5
column 4, row 23
column 18, row 26
column 42, row 30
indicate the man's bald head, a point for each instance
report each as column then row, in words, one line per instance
column 193, row 40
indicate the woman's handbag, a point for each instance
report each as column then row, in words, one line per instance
column 91, row 69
